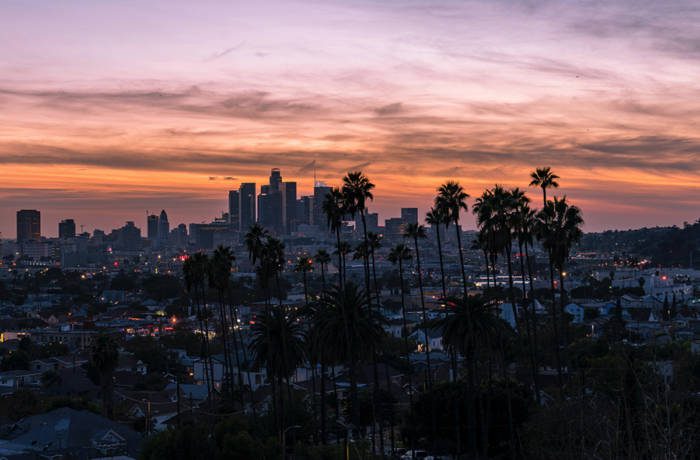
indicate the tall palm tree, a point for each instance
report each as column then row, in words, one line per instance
column 278, row 345
column 304, row 265
column 374, row 242
column 104, row 357
column 333, row 207
column 254, row 239
column 399, row 255
column 544, row 178
column 351, row 330
column 357, row 191
column 219, row 274
column 558, row 228
column 452, row 199
column 435, row 218
column 344, row 249
column 272, row 261
column 323, row 259
column 194, row 270
column 416, row 232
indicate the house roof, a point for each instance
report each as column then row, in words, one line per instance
column 70, row 429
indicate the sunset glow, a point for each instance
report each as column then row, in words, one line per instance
column 109, row 109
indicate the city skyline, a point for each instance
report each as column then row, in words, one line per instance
column 100, row 125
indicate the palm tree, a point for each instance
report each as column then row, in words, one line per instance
column 416, row 232
column 104, row 358
column 452, row 199
column 333, row 207
column 558, row 228
column 343, row 250
column 272, row 262
column 398, row 255
column 323, row 259
column 351, row 329
column 194, row 270
column 474, row 326
column 219, row 274
column 374, row 242
column 303, row 266
column 278, row 344
column 254, row 239
column 435, row 218
column 544, row 178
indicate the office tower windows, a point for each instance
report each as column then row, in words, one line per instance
column 246, row 208
column 163, row 228
column 409, row 215
column 234, row 204
column 320, row 192
column 275, row 179
column 289, row 206
column 28, row 225
column 66, row 229
column 152, row 227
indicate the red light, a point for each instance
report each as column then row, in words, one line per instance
column 116, row 263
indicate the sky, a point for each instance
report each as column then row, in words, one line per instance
column 110, row 109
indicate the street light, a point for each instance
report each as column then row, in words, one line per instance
column 284, row 439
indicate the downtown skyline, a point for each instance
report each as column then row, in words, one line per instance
column 110, row 110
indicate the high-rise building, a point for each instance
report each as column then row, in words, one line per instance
column 289, row 206
column 372, row 219
column 275, row 179
column 66, row 229
column 270, row 209
column 409, row 215
column 246, row 208
column 393, row 228
column 320, row 192
column 152, row 227
column 28, row 225
column 304, row 210
column 234, row 204
column 163, row 228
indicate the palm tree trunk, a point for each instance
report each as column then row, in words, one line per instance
column 374, row 351
column 324, row 438
column 528, row 309
column 555, row 328
column 510, row 284
column 407, row 350
column 442, row 263
column 461, row 257
column 341, row 267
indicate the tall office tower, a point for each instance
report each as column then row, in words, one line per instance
column 163, row 228
column 152, row 227
column 246, row 207
column 304, row 210
column 66, row 229
column 275, row 179
column 289, row 206
column 409, row 215
column 372, row 219
column 320, row 192
column 28, row 225
column 234, row 203
column 270, row 209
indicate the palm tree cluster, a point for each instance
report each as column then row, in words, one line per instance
column 341, row 328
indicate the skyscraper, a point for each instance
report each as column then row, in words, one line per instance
column 66, row 229
column 234, row 204
column 152, row 227
column 246, row 208
column 275, row 179
column 163, row 229
column 28, row 225
column 270, row 209
column 289, row 206
column 320, row 192
column 409, row 215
